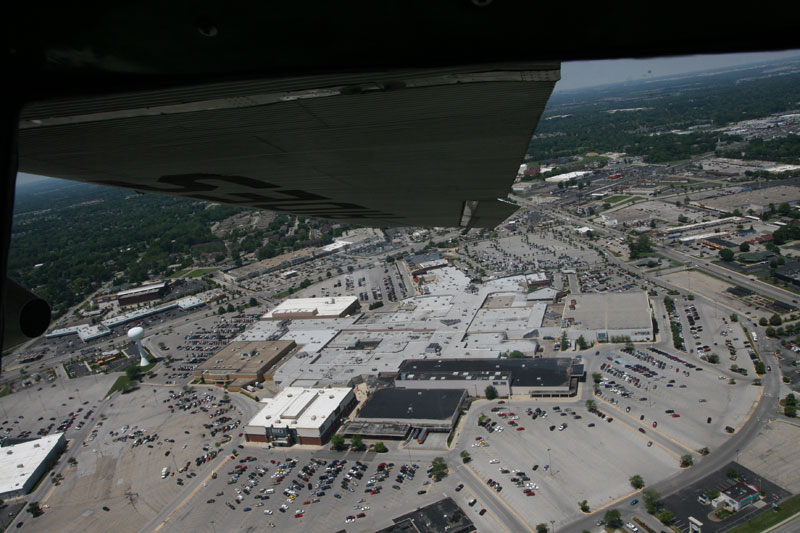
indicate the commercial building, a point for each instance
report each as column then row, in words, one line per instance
column 737, row 496
column 550, row 377
column 145, row 293
column 22, row 465
column 444, row 515
column 606, row 316
column 241, row 364
column 435, row 410
column 298, row 308
column 300, row 415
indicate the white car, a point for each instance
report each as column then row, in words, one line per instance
column 494, row 461
column 267, row 511
column 632, row 527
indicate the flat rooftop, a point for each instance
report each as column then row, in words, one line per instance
column 444, row 515
column 18, row 462
column 246, row 357
column 300, row 408
column 609, row 311
column 549, row 372
column 408, row 404
column 320, row 307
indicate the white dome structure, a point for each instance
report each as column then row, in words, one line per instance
column 137, row 334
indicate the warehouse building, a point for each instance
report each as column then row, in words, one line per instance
column 543, row 378
column 22, row 465
column 145, row 293
column 300, row 415
column 606, row 316
column 241, row 364
column 299, row 308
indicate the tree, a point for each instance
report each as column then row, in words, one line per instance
column 253, row 302
column 380, row 447
column 34, row 509
column 584, row 505
column 726, row 255
column 491, row 393
column 337, row 442
column 713, row 359
column 687, row 460
column 582, row 343
column 790, row 411
column 637, row 482
column 763, row 321
column 229, row 309
column 465, row 457
column 734, row 317
column 770, row 331
column 356, row 442
column 790, row 399
column 775, row 320
column 666, row 516
column 744, row 247
column 542, row 528
column 652, row 499
column 516, row 354
column 613, row 518
column 439, row 468
column 761, row 368
column 591, row 406
column 221, row 310
column 564, row 341
column 597, row 377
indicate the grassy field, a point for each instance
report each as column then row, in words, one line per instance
column 196, row 273
column 193, row 272
column 618, row 198
column 787, row 509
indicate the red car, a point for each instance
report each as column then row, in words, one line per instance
column 307, row 502
column 298, row 515
column 531, row 493
column 655, row 424
column 361, row 515
column 520, row 428
column 675, row 415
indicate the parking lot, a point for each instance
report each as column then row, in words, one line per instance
column 564, row 466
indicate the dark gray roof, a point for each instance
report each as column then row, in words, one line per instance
column 444, row 515
column 550, row 372
column 403, row 404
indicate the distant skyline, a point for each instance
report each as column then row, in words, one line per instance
column 583, row 74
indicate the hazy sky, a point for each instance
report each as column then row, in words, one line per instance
column 577, row 74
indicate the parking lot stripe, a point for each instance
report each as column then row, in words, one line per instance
column 193, row 493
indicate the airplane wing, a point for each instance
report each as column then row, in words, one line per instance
column 423, row 147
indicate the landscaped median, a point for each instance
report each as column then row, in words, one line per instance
column 787, row 509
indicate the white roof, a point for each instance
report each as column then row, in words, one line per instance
column 566, row 177
column 143, row 288
column 189, row 302
column 333, row 306
column 19, row 461
column 300, row 408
